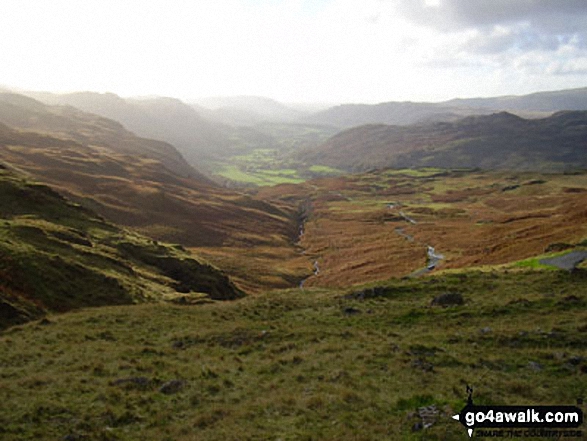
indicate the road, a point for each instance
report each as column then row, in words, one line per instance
column 567, row 261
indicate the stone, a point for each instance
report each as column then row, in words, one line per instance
column 448, row 299
column 172, row 387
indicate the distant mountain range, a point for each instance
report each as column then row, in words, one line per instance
column 497, row 141
column 405, row 113
column 234, row 126
column 166, row 119
column 570, row 99
column 247, row 110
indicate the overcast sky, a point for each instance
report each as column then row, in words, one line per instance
column 295, row 50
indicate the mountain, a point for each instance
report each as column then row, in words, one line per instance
column 539, row 104
column 571, row 99
column 396, row 113
column 500, row 140
column 56, row 256
column 166, row 119
column 66, row 122
column 97, row 162
column 248, row 110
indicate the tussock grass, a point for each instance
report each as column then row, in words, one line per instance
column 291, row 365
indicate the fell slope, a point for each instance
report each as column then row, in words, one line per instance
column 166, row 119
column 56, row 256
column 140, row 191
column 66, row 122
column 551, row 101
column 326, row 365
column 497, row 141
column 396, row 113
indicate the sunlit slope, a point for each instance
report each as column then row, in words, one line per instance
column 141, row 192
column 69, row 123
column 374, row 226
column 58, row 256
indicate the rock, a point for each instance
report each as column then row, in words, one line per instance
column 576, row 360
column 132, row 382
column 172, row 387
column 536, row 367
column 369, row 293
column 429, row 415
column 448, row 299
column 422, row 364
column 74, row 437
column 485, row 330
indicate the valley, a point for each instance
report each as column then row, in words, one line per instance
column 376, row 226
column 170, row 272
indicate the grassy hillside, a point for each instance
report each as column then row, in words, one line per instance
column 58, row 256
column 65, row 122
column 142, row 193
column 314, row 365
column 498, row 141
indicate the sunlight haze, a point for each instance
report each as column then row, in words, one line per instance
column 296, row 50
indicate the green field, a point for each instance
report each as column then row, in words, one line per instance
column 266, row 167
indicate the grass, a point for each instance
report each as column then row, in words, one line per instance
column 58, row 256
column 268, row 167
column 259, row 177
column 534, row 262
column 298, row 365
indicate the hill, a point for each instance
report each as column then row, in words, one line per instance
column 67, row 122
column 552, row 101
column 539, row 104
column 247, row 110
column 166, row 119
column 94, row 165
column 56, row 256
column 327, row 365
column 395, row 113
column 497, row 141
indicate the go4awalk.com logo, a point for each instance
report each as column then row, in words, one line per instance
column 520, row 421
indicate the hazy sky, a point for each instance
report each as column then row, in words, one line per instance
column 295, row 50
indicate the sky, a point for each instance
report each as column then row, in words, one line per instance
column 329, row 51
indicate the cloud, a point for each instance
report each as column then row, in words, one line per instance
column 503, row 25
column 552, row 16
